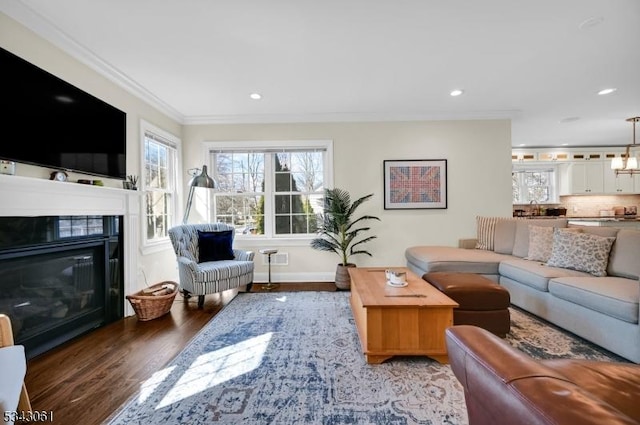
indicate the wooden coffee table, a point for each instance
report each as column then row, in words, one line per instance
column 399, row 321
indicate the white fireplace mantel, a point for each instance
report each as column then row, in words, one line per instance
column 31, row 197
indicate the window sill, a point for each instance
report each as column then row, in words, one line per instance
column 264, row 242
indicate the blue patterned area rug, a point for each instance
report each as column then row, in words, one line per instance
column 295, row 358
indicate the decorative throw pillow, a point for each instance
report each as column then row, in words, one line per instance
column 581, row 251
column 486, row 228
column 541, row 241
column 215, row 246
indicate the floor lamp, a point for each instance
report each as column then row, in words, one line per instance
column 201, row 180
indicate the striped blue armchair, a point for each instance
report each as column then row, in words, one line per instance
column 208, row 277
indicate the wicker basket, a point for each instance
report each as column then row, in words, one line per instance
column 148, row 306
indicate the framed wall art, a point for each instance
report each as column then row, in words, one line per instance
column 415, row 184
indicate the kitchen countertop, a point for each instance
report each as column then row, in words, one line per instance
column 605, row 218
column 583, row 218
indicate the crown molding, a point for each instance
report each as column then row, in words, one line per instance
column 349, row 117
column 37, row 23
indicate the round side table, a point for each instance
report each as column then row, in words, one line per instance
column 269, row 252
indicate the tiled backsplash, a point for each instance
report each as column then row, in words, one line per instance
column 587, row 205
column 590, row 206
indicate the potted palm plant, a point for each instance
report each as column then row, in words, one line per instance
column 340, row 231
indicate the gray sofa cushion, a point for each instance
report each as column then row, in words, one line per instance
column 596, row 230
column 447, row 259
column 505, row 236
column 521, row 242
column 624, row 260
column 533, row 273
column 614, row 296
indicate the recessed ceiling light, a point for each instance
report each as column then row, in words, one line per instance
column 522, row 144
column 607, row 91
column 255, row 96
column 569, row 119
column 456, row 92
column 591, row 22
column 565, row 144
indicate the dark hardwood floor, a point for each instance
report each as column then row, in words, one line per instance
column 86, row 380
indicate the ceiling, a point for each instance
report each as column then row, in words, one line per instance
column 539, row 63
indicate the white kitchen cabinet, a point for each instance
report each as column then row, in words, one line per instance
column 519, row 156
column 554, row 156
column 622, row 184
column 584, row 177
column 582, row 171
column 586, row 156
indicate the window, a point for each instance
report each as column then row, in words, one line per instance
column 534, row 185
column 158, row 182
column 270, row 191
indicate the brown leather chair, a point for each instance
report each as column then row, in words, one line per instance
column 505, row 386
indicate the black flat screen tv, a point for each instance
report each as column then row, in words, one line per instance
column 51, row 123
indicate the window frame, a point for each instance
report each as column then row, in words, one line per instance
column 271, row 239
column 553, row 186
column 175, row 186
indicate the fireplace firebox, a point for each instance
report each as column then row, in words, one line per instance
column 60, row 277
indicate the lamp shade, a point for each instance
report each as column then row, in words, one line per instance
column 617, row 163
column 202, row 180
column 632, row 163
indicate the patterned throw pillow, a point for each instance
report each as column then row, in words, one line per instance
column 486, row 228
column 541, row 241
column 581, row 251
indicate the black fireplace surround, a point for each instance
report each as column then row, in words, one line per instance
column 60, row 277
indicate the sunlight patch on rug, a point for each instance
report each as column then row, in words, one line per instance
column 149, row 386
column 214, row 368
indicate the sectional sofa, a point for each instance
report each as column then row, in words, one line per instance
column 583, row 279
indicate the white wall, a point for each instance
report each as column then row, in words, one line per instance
column 479, row 183
column 17, row 39
column 478, row 154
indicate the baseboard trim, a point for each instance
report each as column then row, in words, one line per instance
column 294, row 277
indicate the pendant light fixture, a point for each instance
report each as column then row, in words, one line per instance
column 628, row 164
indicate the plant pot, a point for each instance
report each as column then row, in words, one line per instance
column 343, row 280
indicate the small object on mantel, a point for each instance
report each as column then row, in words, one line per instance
column 7, row 167
column 59, row 176
column 133, row 180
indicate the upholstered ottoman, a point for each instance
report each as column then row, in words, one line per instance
column 483, row 303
